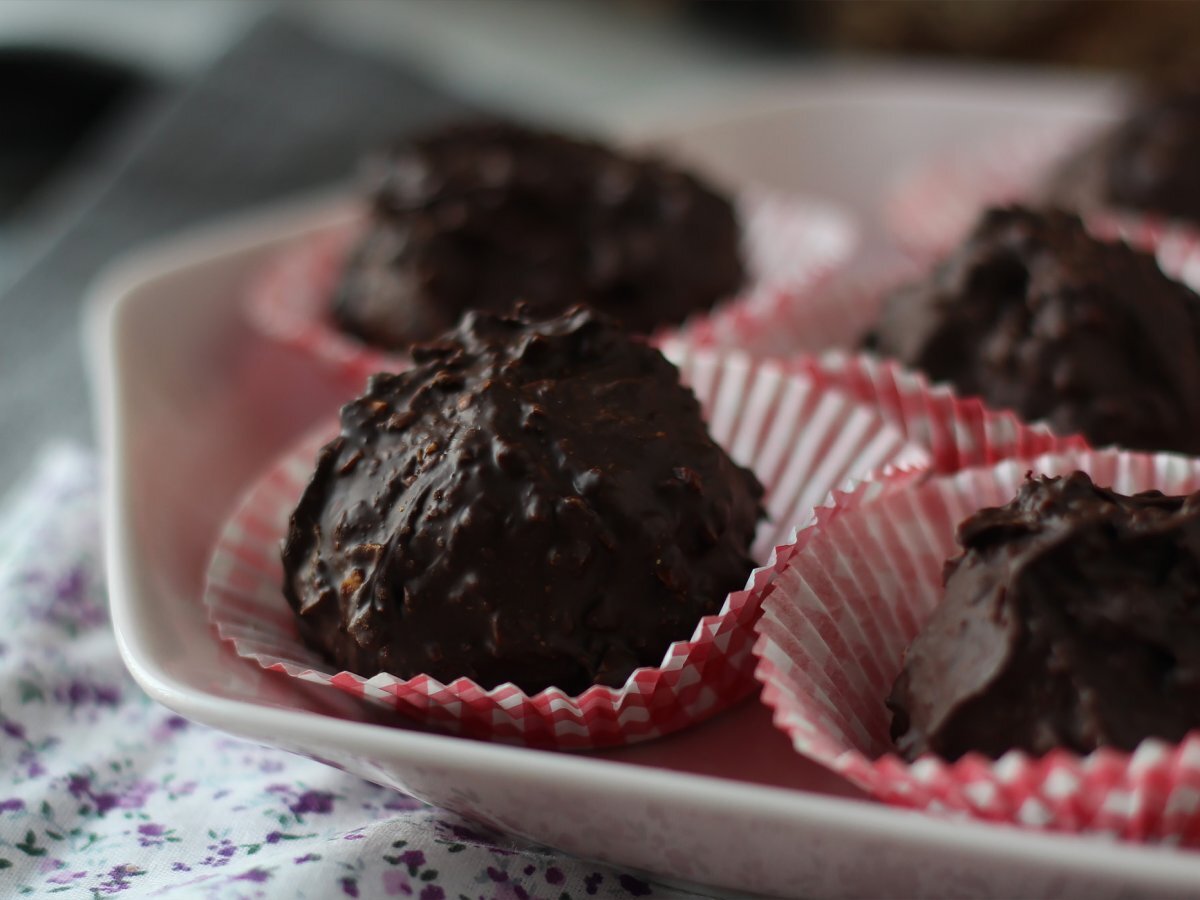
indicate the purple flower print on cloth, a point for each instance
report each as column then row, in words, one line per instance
column 312, row 802
column 104, row 793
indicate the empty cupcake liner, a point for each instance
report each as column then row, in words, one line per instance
column 791, row 244
column 956, row 431
column 857, row 587
column 800, row 437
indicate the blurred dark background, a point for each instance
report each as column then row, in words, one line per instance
column 1125, row 34
column 125, row 120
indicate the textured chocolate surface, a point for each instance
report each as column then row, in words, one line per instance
column 1071, row 619
column 1147, row 162
column 1034, row 315
column 483, row 215
column 537, row 501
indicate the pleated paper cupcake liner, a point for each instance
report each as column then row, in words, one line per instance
column 802, row 439
column 791, row 245
column 957, row 432
column 817, row 335
column 860, row 583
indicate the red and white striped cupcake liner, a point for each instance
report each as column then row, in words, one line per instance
column 792, row 245
column 856, row 588
column 958, row 432
column 802, row 438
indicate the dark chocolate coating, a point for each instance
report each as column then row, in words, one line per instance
column 1071, row 619
column 537, row 501
column 1147, row 162
column 480, row 216
column 1033, row 314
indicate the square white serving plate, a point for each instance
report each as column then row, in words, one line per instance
column 193, row 403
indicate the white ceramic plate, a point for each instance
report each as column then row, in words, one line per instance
column 193, row 404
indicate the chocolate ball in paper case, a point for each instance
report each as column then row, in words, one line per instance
column 537, row 501
column 478, row 215
column 1032, row 313
column 1070, row 620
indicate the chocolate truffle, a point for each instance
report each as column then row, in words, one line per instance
column 1033, row 314
column 479, row 216
column 536, row 501
column 1071, row 619
column 1147, row 162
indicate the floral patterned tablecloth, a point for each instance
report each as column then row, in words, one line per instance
column 102, row 791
